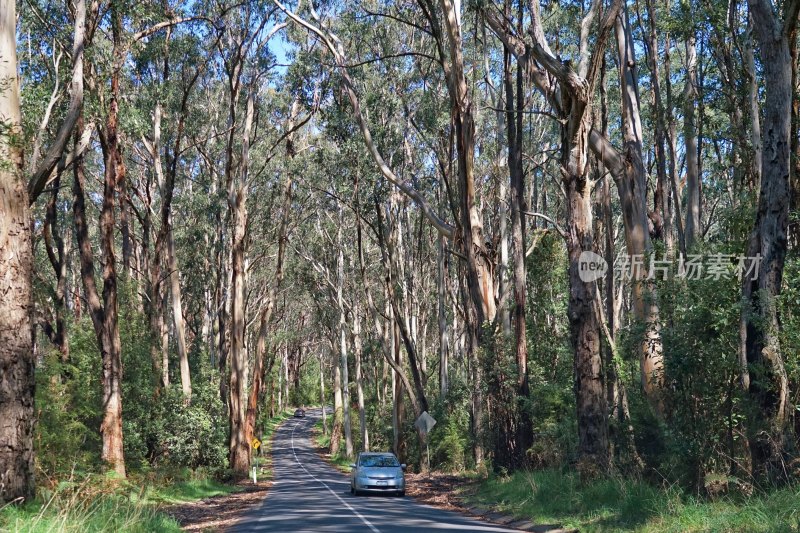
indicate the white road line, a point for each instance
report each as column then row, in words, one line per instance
column 373, row 528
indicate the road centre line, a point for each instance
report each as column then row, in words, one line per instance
column 359, row 515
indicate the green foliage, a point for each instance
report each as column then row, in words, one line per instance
column 450, row 440
column 308, row 391
column 192, row 488
column 177, row 434
column 700, row 339
column 551, row 402
column 501, row 373
column 68, row 401
column 452, row 449
column 268, row 425
column 790, row 321
column 160, row 430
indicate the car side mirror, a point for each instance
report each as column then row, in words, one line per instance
column 352, row 466
column 403, row 467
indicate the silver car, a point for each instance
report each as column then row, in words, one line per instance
column 376, row 473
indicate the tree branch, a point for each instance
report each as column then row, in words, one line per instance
column 334, row 45
column 558, row 228
column 41, row 175
column 161, row 25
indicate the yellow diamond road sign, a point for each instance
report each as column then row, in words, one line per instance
column 255, row 443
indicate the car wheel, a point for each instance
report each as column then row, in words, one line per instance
column 402, row 493
column 352, row 490
column 356, row 492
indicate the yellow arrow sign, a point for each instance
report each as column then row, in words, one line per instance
column 255, row 443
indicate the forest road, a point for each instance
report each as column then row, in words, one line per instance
column 309, row 495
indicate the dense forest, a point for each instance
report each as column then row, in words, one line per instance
column 567, row 230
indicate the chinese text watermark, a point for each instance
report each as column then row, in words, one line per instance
column 592, row 266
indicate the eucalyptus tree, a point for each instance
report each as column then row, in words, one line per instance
column 169, row 63
column 16, row 331
column 105, row 312
column 763, row 370
column 17, row 357
column 571, row 94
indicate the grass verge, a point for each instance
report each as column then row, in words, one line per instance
column 615, row 504
column 97, row 503
column 322, row 441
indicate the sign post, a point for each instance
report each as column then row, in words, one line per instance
column 425, row 424
column 255, row 443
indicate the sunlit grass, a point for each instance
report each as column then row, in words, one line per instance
column 84, row 508
column 615, row 504
column 187, row 491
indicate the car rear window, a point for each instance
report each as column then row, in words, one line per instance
column 379, row 460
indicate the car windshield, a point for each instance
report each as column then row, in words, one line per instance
column 379, row 460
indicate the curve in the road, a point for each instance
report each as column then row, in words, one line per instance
column 310, row 495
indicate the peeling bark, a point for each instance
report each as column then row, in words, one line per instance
column 17, row 382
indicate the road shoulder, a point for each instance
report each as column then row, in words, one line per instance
column 221, row 512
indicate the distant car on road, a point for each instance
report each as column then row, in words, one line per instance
column 299, row 413
column 377, row 473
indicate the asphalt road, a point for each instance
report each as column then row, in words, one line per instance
column 309, row 495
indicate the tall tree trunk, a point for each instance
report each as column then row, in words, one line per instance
column 662, row 207
column 444, row 341
column 480, row 302
column 281, row 398
column 57, row 251
column 322, row 397
column 571, row 93
column 672, row 148
column 348, row 435
column 762, row 367
column 16, row 264
column 592, row 410
column 500, row 163
column 109, row 339
column 631, row 179
column 755, row 113
column 357, row 348
column 260, row 370
column 239, row 448
column 177, row 314
column 285, row 375
column 336, row 431
column 518, row 208
column 794, row 172
column 693, row 229
column 398, row 409
column 165, row 242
